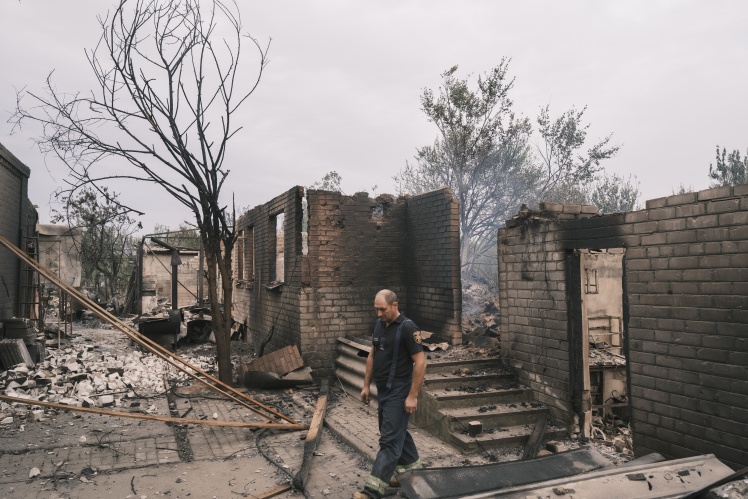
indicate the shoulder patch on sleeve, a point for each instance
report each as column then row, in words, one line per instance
column 417, row 337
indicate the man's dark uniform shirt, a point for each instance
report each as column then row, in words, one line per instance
column 383, row 342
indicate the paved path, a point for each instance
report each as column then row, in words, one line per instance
column 151, row 458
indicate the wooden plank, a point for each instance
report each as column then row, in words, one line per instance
column 536, row 437
column 312, row 438
column 272, row 492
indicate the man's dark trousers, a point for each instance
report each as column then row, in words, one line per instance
column 396, row 446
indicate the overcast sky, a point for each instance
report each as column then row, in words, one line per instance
column 669, row 79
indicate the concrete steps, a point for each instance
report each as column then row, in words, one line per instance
column 456, row 393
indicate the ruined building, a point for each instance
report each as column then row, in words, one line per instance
column 18, row 219
column 659, row 296
column 309, row 262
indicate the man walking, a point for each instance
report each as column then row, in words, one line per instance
column 397, row 365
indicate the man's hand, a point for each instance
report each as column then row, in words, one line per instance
column 365, row 395
column 411, row 403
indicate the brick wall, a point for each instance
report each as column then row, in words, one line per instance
column 685, row 314
column 14, row 214
column 356, row 246
column 434, row 286
column 271, row 314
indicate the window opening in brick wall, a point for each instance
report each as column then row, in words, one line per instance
column 304, row 225
column 240, row 255
column 249, row 254
column 277, row 240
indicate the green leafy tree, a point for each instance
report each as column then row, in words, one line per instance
column 166, row 90
column 682, row 189
column 562, row 159
column 481, row 153
column 330, row 182
column 185, row 236
column 615, row 194
column 107, row 245
column 730, row 169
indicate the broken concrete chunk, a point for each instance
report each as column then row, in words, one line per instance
column 106, row 400
column 34, row 472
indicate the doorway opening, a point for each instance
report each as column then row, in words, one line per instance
column 597, row 330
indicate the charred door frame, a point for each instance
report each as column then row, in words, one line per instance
column 578, row 369
column 575, row 333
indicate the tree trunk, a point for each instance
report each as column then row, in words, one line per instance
column 221, row 318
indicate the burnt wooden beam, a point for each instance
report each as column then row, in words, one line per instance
column 536, row 437
column 312, row 437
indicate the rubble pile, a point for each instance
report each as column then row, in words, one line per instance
column 83, row 376
column 480, row 316
column 604, row 357
column 612, row 432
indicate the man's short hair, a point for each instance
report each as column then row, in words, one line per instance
column 389, row 296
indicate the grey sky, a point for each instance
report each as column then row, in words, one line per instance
column 668, row 79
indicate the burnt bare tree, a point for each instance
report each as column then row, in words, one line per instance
column 167, row 88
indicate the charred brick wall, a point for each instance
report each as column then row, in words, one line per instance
column 685, row 314
column 434, row 286
column 355, row 249
column 271, row 311
column 533, row 302
column 14, row 224
column 356, row 246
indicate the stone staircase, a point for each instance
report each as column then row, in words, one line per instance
column 456, row 393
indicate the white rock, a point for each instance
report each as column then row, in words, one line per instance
column 82, row 439
column 34, row 472
column 7, row 420
column 106, row 400
column 215, row 415
column 37, row 415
